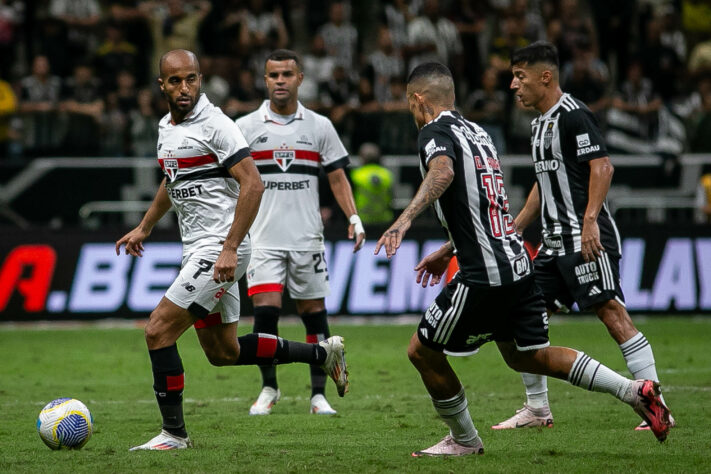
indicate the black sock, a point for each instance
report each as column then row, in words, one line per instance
column 168, row 384
column 316, row 325
column 266, row 321
column 263, row 349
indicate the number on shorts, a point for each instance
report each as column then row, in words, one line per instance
column 205, row 266
column 320, row 265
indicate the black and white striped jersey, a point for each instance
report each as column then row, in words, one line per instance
column 563, row 141
column 474, row 209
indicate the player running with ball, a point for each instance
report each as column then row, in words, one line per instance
column 213, row 185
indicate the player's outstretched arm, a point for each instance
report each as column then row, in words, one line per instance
column 432, row 267
column 133, row 241
column 343, row 193
column 530, row 212
column 250, row 195
column 438, row 178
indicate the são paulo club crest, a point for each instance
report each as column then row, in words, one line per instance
column 170, row 166
column 284, row 158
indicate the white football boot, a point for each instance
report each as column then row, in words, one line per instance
column 163, row 442
column 320, row 406
column 448, row 447
column 266, row 400
column 335, row 364
column 527, row 417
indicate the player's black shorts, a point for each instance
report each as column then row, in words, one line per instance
column 464, row 317
column 568, row 278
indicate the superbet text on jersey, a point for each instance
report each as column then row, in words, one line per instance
column 195, row 156
column 288, row 152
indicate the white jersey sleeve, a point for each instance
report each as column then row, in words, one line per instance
column 331, row 147
column 226, row 140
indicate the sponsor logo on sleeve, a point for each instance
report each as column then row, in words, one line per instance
column 584, row 146
column 431, row 148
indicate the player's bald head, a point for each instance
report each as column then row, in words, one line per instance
column 434, row 82
column 178, row 59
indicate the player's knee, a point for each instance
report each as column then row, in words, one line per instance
column 415, row 354
column 221, row 358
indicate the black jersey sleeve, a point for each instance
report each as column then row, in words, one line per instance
column 581, row 136
column 434, row 141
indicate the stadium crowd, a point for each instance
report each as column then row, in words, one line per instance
column 77, row 77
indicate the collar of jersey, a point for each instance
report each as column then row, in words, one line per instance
column 444, row 113
column 266, row 112
column 202, row 102
column 549, row 112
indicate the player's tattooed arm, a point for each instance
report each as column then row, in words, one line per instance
column 438, row 178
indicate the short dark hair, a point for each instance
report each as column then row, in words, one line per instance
column 429, row 70
column 284, row 55
column 534, row 53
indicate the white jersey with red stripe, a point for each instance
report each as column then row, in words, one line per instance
column 195, row 156
column 288, row 152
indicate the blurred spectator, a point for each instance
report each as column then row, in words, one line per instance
column 469, row 16
column 532, row 25
column 633, row 118
column 113, row 128
column 340, row 95
column 131, row 21
column 487, row 107
column 126, row 92
column 245, row 97
column 80, row 19
column 613, row 24
column 570, row 27
column 143, row 126
column 214, row 84
column 259, row 23
column 220, row 31
column 703, row 199
column 318, row 69
column 340, row 37
column 11, row 16
column 8, row 106
column 509, row 39
column 672, row 35
column 700, row 123
column 586, row 77
column 81, row 101
column 519, row 128
column 396, row 15
column 660, row 62
column 383, row 64
column 372, row 187
column 432, row 37
column 39, row 97
column 700, row 59
column 113, row 55
column 174, row 24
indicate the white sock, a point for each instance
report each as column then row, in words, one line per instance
column 591, row 375
column 454, row 411
column 536, row 390
column 640, row 358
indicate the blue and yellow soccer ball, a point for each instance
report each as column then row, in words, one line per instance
column 65, row 423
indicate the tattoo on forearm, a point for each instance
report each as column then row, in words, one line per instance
column 436, row 182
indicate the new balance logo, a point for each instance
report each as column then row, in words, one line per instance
column 262, row 139
column 594, row 291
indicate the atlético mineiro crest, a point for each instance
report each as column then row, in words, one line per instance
column 170, row 167
column 284, row 158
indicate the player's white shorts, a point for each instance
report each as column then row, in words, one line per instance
column 304, row 273
column 195, row 290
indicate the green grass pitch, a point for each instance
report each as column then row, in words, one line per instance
column 386, row 415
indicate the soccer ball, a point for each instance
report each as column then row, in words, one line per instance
column 65, row 423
